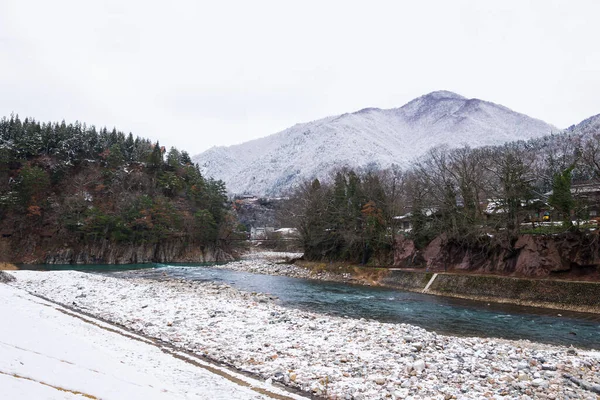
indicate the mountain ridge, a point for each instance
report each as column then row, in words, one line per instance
column 368, row 137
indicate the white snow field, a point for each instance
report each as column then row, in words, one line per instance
column 48, row 352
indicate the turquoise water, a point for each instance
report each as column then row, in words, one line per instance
column 440, row 314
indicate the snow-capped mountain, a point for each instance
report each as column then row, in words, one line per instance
column 586, row 128
column 371, row 138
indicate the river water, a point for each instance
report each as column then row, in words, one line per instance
column 441, row 314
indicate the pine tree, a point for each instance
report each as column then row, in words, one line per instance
column 561, row 198
column 156, row 158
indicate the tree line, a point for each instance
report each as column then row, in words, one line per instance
column 77, row 183
column 468, row 196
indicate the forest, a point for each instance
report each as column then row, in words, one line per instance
column 73, row 184
column 470, row 197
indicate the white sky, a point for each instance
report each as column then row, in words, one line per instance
column 195, row 74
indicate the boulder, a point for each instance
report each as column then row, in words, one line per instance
column 433, row 254
column 404, row 251
column 538, row 256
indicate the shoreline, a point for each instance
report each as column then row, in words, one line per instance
column 323, row 355
column 288, row 264
column 284, row 265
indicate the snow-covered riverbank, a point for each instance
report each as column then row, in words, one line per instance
column 49, row 352
column 331, row 356
column 278, row 263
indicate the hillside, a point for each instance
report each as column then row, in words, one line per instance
column 74, row 194
column 369, row 138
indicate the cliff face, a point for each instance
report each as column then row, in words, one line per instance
column 106, row 252
column 568, row 255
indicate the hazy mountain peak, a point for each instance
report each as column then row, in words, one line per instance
column 444, row 94
column 370, row 138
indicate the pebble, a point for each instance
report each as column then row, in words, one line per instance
column 419, row 365
column 540, row 383
column 380, row 380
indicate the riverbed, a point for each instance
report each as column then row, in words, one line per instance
column 297, row 288
column 330, row 355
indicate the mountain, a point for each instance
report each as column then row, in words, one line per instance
column 369, row 138
column 586, row 128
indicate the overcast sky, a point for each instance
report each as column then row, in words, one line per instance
column 195, row 74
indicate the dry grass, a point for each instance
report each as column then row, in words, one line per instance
column 371, row 276
column 364, row 275
column 8, row 267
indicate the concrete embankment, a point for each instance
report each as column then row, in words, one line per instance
column 558, row 294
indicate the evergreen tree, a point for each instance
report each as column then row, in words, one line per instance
column 561, row 198
column 156, row 158
column 174, row 158
column 185, row 158
column 129, row 147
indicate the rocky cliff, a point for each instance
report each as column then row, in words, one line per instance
column 569, row 255
column 106, row 252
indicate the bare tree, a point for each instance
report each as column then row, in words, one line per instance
column 511, row 168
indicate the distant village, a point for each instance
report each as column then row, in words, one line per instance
column 258, row 216
column 537, row 211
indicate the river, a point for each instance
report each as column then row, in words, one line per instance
column 441, row 314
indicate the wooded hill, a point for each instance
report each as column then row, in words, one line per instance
column 71, row 188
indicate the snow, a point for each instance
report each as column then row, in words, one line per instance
column 369, row 138
column 325, row 355
column 272, row 256
column 19, row 388
column 47, row 353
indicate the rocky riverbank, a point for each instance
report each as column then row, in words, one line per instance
column 334, row 357
column 47, row 251
column 546, row 293
column 281, row 263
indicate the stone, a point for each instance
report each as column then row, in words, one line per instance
column 380, row 380
column 279, row 376
column 522, row 365
column 419, row 365
column 539, row 382
column 523, row 377
column 549, row 367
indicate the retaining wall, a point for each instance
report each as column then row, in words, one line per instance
column 558, row 294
